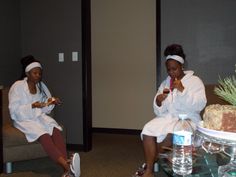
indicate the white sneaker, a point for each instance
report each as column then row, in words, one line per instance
column 75, row 165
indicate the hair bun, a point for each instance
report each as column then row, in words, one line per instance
column 27, row 59
column 174, row 49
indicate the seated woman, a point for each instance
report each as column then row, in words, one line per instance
column 180, row 92
column 29, row 103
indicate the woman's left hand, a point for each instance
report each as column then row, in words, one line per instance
column 178, row 85
column 54, row 100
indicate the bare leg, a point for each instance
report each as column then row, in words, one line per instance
column 149, row 145
column 53, row 152
column 59, row 142
column 167, row 142
column 152, row 151
column 63, row 162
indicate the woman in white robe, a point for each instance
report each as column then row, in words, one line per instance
column 30, row 102
column 33, row 122
column 181, row 92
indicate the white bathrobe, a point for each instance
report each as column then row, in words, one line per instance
column 191, row 101
column 33, row 122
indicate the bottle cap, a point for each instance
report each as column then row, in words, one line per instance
column 183, row 116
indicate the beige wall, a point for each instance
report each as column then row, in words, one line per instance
column 123, row 62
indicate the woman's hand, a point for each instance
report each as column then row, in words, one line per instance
column 53, row 100
column 38, row 104
column 161, row 98
column 178, row 85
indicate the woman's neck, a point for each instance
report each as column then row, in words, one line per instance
column 181, row 76
column 32, row 87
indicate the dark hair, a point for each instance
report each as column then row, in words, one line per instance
column 25, row 61
column 174, row 49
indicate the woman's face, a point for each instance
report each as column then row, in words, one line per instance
column 35, row 75
column 174, row 69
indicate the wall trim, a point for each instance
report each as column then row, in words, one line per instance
column 158, row 43
column 86, row 75
column 75, row 147
column 80, row 147
column 1, row 143
column 116, row 131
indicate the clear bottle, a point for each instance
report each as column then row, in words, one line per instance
column 229, row 170
column 182, row 146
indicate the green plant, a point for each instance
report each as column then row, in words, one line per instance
column 227, row 89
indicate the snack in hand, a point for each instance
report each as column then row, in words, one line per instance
column 51, row 101
column 166, row 91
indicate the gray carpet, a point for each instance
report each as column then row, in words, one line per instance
column 112, row 156
column 24, row 174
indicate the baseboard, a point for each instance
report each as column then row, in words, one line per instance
column 116, row 131
column 75, row 147
column 80, row 147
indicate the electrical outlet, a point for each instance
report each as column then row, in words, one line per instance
column 75, row 56
column 61, row 57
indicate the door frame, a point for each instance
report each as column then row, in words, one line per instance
column 86, row 75
column 87, row 67
column 158, row 43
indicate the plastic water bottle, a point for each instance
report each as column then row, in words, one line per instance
column 182, row 146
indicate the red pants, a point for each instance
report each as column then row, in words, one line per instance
column 54, row 145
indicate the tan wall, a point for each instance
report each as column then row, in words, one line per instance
column 123, row 62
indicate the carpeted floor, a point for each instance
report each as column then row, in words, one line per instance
column 24, row 174
column 112, row 156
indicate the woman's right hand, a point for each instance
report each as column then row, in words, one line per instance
column 38, row 104
column 161, row 98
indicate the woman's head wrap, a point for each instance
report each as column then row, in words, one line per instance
column 175, row 57
column 32, row 65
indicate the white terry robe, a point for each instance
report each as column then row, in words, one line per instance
column 191, row 101
column 33, row 122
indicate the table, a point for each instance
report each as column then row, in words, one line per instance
column 204, row 165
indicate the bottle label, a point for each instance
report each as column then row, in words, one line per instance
column 182, row 138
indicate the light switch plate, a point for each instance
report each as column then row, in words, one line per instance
column 75, row 56
column 61, row 57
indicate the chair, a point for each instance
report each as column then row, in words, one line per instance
column 14, row 144
column 212, row 98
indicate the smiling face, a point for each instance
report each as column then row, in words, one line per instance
column 34, row 75
column 174, row 69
